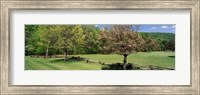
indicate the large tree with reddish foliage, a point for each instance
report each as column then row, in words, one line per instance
column 121, row 39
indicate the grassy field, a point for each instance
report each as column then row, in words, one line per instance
column 161, row 59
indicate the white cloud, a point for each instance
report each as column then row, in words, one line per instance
column 173, row 30
column 153, row 28
column 164, row 27
column 173, row 26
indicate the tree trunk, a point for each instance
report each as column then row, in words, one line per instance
column 125, row 61
column 65, row 50
column 74, row 49
column 65, row 47
column 47, row 50
column 65, row 54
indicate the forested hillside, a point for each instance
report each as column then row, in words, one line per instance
column 158, row 36
column 160, row 41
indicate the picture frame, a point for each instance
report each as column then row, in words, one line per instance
column 8, row 5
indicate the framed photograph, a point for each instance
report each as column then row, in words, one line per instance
column 100, row 47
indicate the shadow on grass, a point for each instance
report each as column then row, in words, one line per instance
column 47, row 65
column 68, row 60
column 172, row 56
column 131, row 66
column 119, row 66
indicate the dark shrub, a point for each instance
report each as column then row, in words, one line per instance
column 117, row 66
column 131, row 66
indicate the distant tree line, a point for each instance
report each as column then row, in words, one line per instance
column 48, row 40
column 158, row 41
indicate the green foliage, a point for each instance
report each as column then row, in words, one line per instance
column 159, row 41
column 170, row 45
column 79, row 39
column 29, row 32
column 158, row 36
column 71, row 37
column 50, row 39
column 91, row 42
column 31, row 39
column 149, row 45
column 29, row 49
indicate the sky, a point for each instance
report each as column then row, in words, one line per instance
column 169, row 28
column 163, row 28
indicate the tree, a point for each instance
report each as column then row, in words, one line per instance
column 70, row 37
column 160, row 39
column 91, row 42
column 48, row 36
column 31, row 39
column 170, row 45
column 150, row 45
column 29, row 32
column 122, row 39
column 105, row 42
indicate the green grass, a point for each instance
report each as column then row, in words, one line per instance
column 161, row 59
column 57, row 64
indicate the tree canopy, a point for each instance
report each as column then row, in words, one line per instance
column 122, row 39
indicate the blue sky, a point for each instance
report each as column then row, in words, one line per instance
column 163, row 28
column 169, row 28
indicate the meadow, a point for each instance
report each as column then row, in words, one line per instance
column 164, row 59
